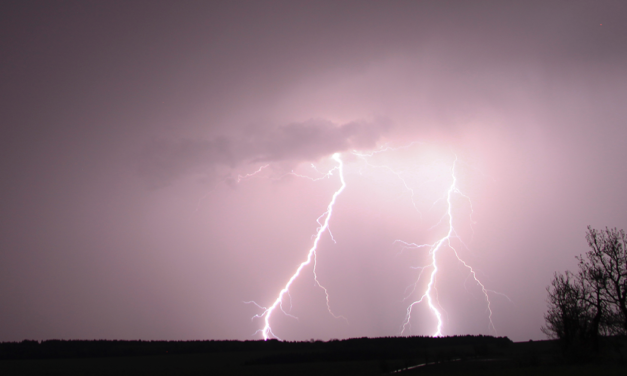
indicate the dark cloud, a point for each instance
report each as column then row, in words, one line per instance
column 163, row 161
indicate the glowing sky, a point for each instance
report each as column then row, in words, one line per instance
column 155, row 158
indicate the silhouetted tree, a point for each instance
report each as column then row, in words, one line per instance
column 605, row 269
column 592, row 302
column 568, row 317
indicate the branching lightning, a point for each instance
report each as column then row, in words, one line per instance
column 323, row 222
column 242, row 177
column 434, row 248
column 432, row 269
column 430, row 293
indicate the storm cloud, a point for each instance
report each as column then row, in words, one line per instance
column 163, row 160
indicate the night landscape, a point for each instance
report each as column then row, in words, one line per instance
column 426, row 187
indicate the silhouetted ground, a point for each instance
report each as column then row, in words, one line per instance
column 467, row 355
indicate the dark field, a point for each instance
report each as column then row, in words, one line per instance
column 465, row 355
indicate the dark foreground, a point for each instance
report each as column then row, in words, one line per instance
column 465, row 355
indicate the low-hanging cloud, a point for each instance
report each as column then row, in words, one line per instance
column 163, row 161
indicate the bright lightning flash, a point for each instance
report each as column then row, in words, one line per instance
column 311, row 255
column 430, row 294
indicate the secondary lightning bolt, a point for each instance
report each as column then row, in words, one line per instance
column 324, row 225
column 433, row 251
column 242, row 177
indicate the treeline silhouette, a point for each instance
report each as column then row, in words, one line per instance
column 429, row 349
column 271, row 351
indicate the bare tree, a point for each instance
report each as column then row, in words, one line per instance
column 568, row 317
column 604, row 270
column 593, row 282
column 592, row 302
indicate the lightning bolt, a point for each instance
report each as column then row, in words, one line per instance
column 434, row 249
column 323, row 222
column 243, row 177
column 430, row 294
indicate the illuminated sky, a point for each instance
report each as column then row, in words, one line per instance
column 128, row 129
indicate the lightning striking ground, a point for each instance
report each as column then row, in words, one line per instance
column 429, row 295
column 434, row 249
column 311, row 255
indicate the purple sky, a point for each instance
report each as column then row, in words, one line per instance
column 125, row 125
